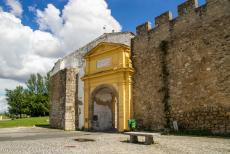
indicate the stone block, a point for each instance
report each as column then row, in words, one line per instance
column 163, row 18
column 143, row 29
column 187, row 7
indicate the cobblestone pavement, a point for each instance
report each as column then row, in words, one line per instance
column 50, row 141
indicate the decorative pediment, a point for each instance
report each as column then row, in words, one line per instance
column 104, row 47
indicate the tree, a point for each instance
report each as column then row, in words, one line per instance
column 16, row 101
column 33, row 100
column 37, row 96
column 47, row 83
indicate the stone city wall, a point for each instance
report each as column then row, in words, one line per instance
column 57, row 99
column 63, row 100
column 182, row 69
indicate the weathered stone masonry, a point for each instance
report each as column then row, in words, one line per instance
column 182, row 69
column 63, row 112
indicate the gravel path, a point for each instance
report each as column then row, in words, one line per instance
column 50, row 141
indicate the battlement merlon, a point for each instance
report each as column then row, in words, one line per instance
column 144, row 28
column 187, row 7
column 163, row 18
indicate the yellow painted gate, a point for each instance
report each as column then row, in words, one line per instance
column 107, row 87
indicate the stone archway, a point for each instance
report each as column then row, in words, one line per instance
column 104, row 108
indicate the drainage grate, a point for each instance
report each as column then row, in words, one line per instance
column 84, row 140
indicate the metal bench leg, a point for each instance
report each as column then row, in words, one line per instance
column 148, row 140
column 133, row 139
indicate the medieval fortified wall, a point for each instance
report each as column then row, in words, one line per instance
column 182, row 69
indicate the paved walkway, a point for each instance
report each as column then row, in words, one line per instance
column 49, row 141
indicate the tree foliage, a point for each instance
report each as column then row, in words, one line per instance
column 33, row 100
column 16, row 101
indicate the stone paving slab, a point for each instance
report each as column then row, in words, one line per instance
column 36, row 140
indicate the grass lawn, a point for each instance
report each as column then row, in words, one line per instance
column 25, row 122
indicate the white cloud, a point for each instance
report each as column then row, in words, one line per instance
column 7, row 84
column 15, row 7
column 50, row 19
column 80, row 22
column 24, row 51
column 3, row 104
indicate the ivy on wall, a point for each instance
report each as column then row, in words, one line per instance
column 164, row 46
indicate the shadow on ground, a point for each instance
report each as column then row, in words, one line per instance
column 198, row 134
column 139, row 142
column 44, row 126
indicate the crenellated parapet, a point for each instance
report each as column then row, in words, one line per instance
column 187, row 10
column 181, row 79
column 187, row 7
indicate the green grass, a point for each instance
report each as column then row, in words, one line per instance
column 25, row 122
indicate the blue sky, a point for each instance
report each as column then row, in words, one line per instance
column 129, row 13
column 135, row 12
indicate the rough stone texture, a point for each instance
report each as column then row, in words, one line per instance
column 71, row 107
column 183, row 70
column 63, row 100
column 57, row 99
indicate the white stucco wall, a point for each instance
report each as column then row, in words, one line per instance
column 81, row 98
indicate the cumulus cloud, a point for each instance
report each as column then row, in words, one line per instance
column 15, row 7
column 50, row 19
column 24, row 51
column 78, row 23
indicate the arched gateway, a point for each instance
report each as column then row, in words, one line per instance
column 103, row 108
column 107, row 87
